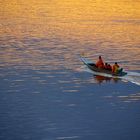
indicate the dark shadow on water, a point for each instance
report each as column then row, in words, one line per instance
column 100, row 79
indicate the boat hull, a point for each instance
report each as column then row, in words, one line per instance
column 93, row 67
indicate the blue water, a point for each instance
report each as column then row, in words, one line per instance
column 46, row 93
column 66, row 105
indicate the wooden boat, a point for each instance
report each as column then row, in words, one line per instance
column 93, row 67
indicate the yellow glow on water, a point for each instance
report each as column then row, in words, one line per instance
column 71, row 9
column 59, row 15
column 110, row 23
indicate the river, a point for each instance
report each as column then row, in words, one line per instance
column 46, row 93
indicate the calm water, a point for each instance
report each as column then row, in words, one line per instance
column 45, row 91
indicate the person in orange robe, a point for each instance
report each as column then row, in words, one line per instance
column 100, row 63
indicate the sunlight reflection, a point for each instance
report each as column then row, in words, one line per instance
column 52, row 33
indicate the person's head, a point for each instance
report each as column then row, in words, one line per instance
column 116, row 63
column 100, row 57
column 106, row 63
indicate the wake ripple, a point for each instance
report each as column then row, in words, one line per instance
column 133, row 77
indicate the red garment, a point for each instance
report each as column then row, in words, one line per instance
column 100, row 63
column 109, row 67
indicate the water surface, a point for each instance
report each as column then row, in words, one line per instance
column 46, row 92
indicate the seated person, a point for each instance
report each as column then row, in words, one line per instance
column 100, row 63
column 115, row 68
column 108, row 67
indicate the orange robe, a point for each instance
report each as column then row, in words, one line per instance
column 100, row 63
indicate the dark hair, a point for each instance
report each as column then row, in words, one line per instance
column 100, row 57
column 115, row 62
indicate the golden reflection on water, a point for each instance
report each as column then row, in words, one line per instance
column 109, row 27
column 72, row 9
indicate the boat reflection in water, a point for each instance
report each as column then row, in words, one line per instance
column 100, row 79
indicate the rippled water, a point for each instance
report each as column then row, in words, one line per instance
column 45, row 91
